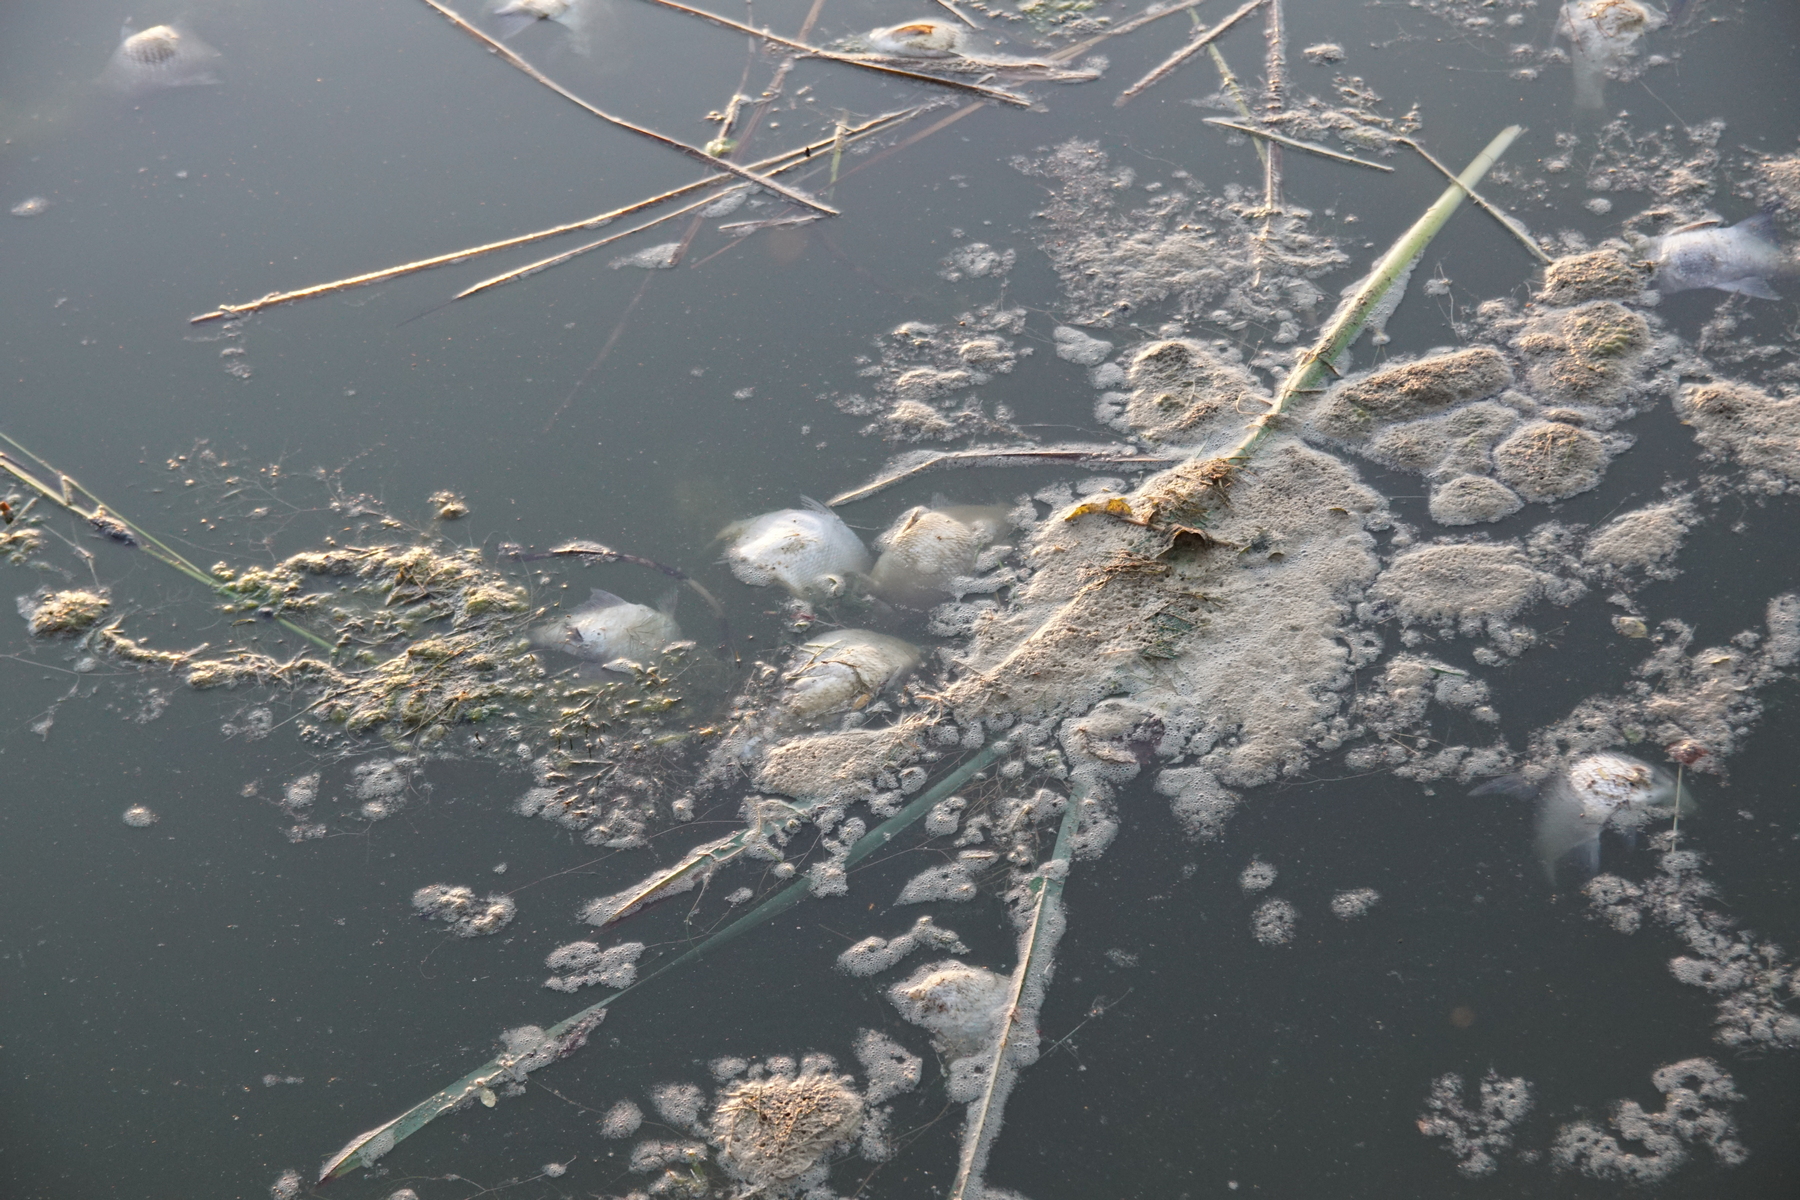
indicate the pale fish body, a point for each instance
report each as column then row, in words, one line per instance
column 923, row 551
column 1740, row 258
column 1595, row 792
column 159, row 57
column 1603, row 36
column 918, row 39
column 614, row 633
column 809, row 551
column 577, row 16
column 846, row 669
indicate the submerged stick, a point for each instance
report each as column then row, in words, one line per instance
column 1188, row 51
column 1229, row 81
column 1153, row 13
column 695, row 152
column 1309, row 147
column 1100, row 456
column 1512, row 226
column 786, row 160
column 853, row 60
column 570, row 1033
column 595, row 552
column 1016, row 1046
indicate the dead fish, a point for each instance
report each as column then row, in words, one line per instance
column 1736, row 259
column 616, row 634
column 161, row 56
column 1595, row 792
column 809, row 551
column 918, row 39
column 923, row 551
column 1603, row 37
column 846, row 669
column 513, row 17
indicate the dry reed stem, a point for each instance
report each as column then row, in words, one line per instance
column 1199, row 43
column 1309, row 147
column 695, row 152
column 1512, row 226
column 786, row 160
column 848, row 59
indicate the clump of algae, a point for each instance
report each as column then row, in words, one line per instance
column 1584, row 355
column 772, row 1131
column 425, row 639
column 67, row 612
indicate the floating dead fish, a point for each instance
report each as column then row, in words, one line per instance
column 809, row 551
column 161, row 56
column 847, row 669
column 1598, row 791
column 918, row 39
column 1740, row 258
column 513, row 17
column 1603, row 37
column 928, row 547
column 615, row 633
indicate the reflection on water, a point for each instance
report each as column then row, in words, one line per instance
column 1182, row 747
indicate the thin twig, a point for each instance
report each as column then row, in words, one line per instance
column 556, row 260
column 848, row 59
column 1099, row 456
column 1188, row 51
column 786, row 160
column 1512, row 226
column 1309, row 147
column 695, row 152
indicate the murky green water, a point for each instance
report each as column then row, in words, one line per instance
column 154, row 979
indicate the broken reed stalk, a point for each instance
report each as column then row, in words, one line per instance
column 695, row 152
column 853, row 60
column 1309, row 147
column 786, row 160
column 1512, row 225
column 100, row 516
column 1347, row 323
column 1018, row 1035
column 1274, row 100
column 366, row 1147
column 1098, row 456
column 1199, row 43
column 1229, row 81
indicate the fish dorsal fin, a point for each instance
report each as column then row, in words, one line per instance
column 815, row 506
column 1691, row 226
column 602, row 599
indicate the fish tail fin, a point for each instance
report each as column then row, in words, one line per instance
column 512, row 24
column 1753, row 286
column 1762, row 225
column 665, row 603
column 600, row 598
column 809, row 502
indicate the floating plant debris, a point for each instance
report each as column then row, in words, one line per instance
column 1241, row 598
